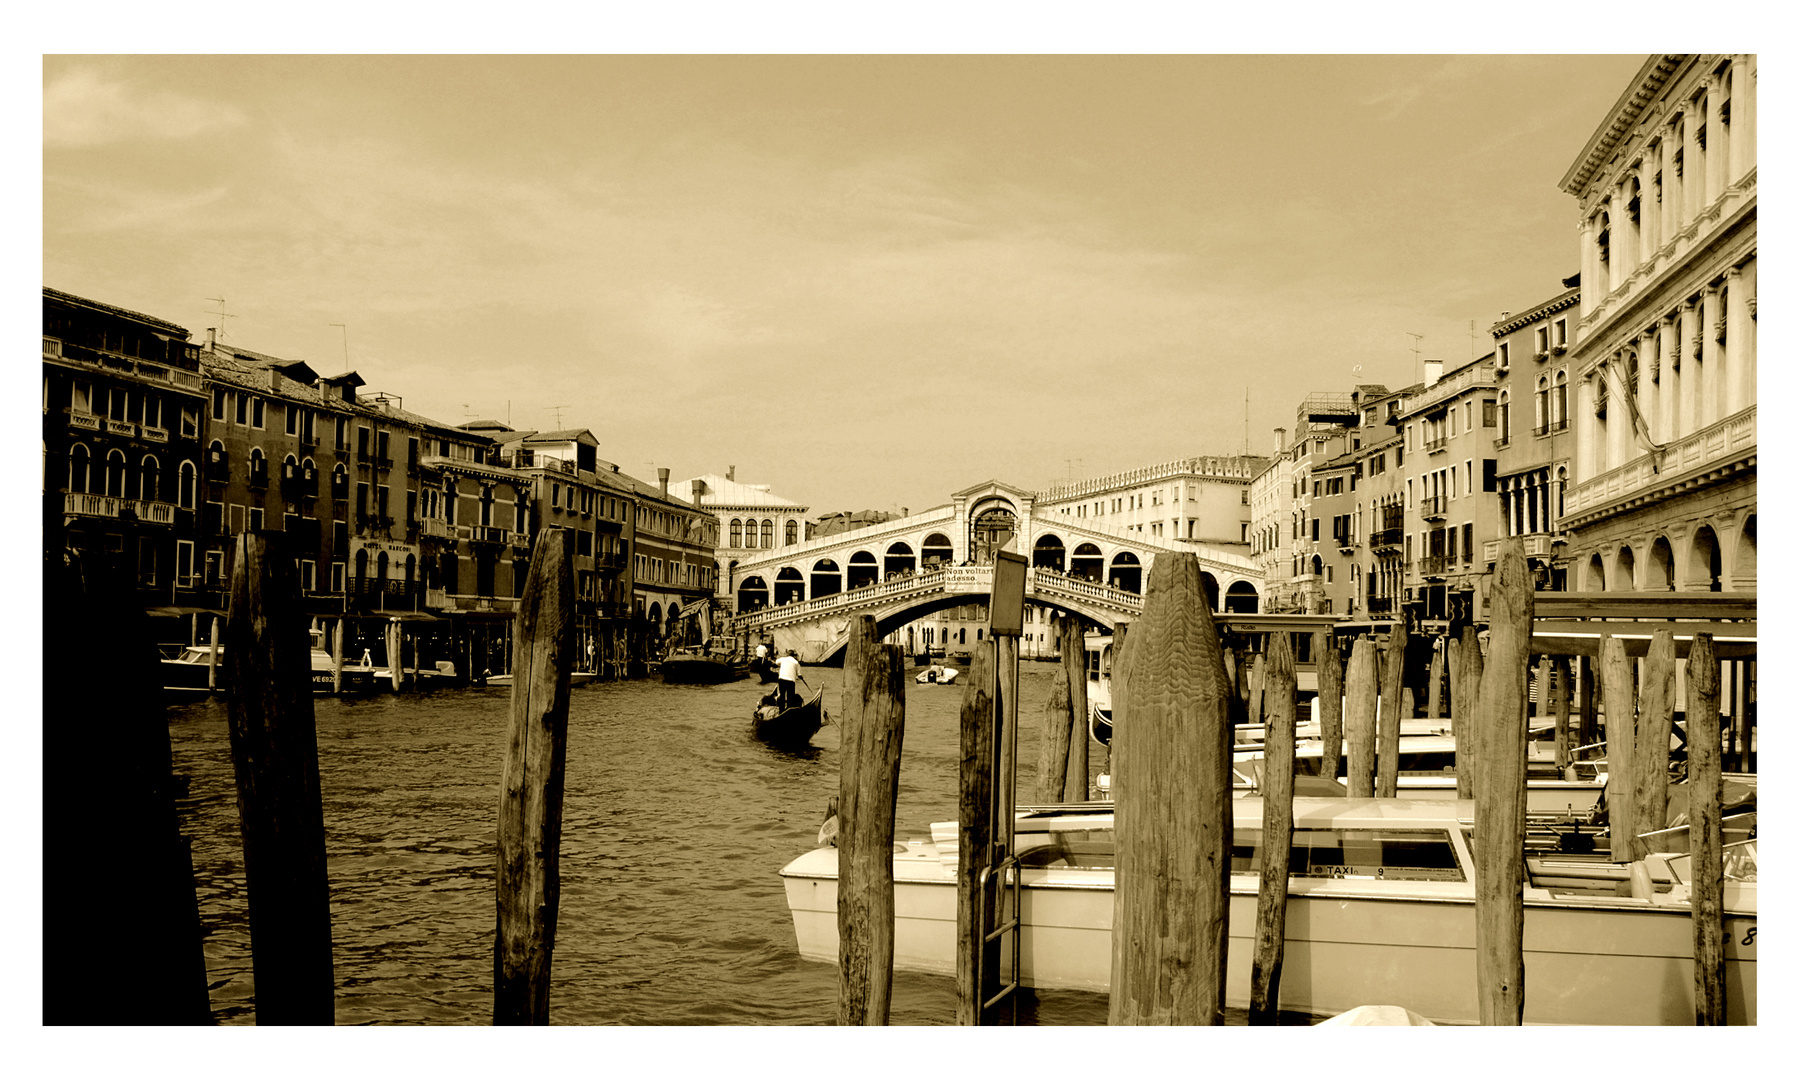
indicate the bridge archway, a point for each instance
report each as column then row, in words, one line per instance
column 790, row 587
column 753, row 594
column 1049, row 552
column 1126, row 573
column 1240, row 598
column 1211, row 586
column 936, row 549
column 827, row 579
column 899, row 559
column 1087, row 562
column 992, row 523
column 863, row 571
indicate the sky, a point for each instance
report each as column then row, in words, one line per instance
column 865, row 281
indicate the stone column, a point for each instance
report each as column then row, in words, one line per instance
column 1743, row 118
column 1718, row 139
column 1668, row 379
column 1739, row 390
column 1693, row 171
column 1624, row 249
column 1587, row 449
column 1670, row 210
column 1590, row 276
column 1687, row 327
column 1715, row 374
column 1618, row 413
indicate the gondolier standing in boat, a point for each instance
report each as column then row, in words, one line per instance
column 788, row 670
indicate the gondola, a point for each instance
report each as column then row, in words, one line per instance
column 793, row 726
column 763, row 668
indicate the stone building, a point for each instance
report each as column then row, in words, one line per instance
column 752, row 523
column 1534, row 442
column 1663, row 491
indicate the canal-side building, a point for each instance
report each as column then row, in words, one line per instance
column 674, row 568
column 123, row 404
column 1534, row 443
column 1286, row 530
column 1198, row 500
column 1663, row 363
column 752, row 522
column 1355, row 496
column 1448, row 426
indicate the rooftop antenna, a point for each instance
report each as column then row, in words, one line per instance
column 1246, row 421
column 1471, row 339
column 1418, row 372
column 557, row 409
column 220, row 300
column 346, row 331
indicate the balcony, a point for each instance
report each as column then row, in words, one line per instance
column 1433, row 507
column 488, row 534
column 1380, row 605
column 433, row 527
column 300, row 484
column 1551, row 428
column 83, row 421
column 121, row 427
column 1719, row 448
column 154, row 434
column 1384, row 540
column 374, row 522
column 85, row 504
column 1537, row 545
column 1434, row 446
column 1435, row 565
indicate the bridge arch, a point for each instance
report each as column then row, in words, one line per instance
column 899, row 559
column 1241, row 598
column 936, row 548
column 1048, row 551
column 1087, row 562
column 753, row 594
column 790, row 587
column 1126, row 572
column 827, row 579
column 1210, row 585
column 993, row 521
column 863, row 571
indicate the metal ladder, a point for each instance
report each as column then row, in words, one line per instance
column 988, row 917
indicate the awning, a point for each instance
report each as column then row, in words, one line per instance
column 175, row 611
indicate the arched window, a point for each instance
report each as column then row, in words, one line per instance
column 149, row 479
column 185, row 494
column 768, row 533
column 78, row 468
column 1562, row 484
column 259, row 468
column 290, row 468
column 115, row 473
column 1559, row 401
column 1541, row 405
column 1506, row 416
column 793, row 531
column 737, row 533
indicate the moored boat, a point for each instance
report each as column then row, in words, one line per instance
column 792, row 726
column 1381, row 908
column 186, row 672
column 700, row 667
column 940, row 674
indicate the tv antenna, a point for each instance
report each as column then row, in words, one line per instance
column 346, row 331
column 1417, row 338
column 557, row 409
column 220, row 300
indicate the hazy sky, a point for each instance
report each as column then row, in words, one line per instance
column 865, row 281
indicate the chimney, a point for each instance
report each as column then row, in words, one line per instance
column 903, row 512
column 212, row 335
column 1280, row 439
column 662, row 481
column 731, row 473
column 699, row 490
column 1505, row 315
column 1434, row 370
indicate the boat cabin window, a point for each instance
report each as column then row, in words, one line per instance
column 1085, row 849
column 1389, row 854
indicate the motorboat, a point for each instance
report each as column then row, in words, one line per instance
column 1381, row 908
column 792, row 726
column 940, row 674
column 699, row 667
column 186, row 672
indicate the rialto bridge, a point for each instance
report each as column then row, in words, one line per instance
column 806, row 595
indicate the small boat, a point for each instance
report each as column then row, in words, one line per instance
column 792, row 726
column 700, row 667
column 576, row 678
column 186, row 672
column 1381, row 900
column 764, row 669
column 937, row 673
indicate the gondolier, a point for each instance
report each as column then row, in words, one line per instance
column 788, row 671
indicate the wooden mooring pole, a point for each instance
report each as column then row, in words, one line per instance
column 1618, row 696
column 874, row 707
column 1074, row 673
column 1393, row 710
column 1278, row 833
column 977, row 959
column 1173, row 811
column 1465, row 702
column 1650, row 750
column 1331, row 701
column 1434, row 694
column 1060, row 722
column 275, row 754
column 1360, row 695
column 1705, row 794
column 1559, row 695
column 528, row 882
column 121, row 926
column 1500, row 719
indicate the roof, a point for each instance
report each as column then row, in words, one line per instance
column 82, row 301
column 1621, row 120
column 722, row 492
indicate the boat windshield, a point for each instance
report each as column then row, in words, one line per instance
column 1386, row 853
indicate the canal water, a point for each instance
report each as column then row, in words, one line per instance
column 676, row 822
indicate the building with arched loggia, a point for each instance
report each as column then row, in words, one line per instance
column 1663, row 368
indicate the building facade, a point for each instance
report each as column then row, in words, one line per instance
column 1448, row 428
column 1663, row 491
column 751, row 522
column 1534, row 442
column 1199, row 500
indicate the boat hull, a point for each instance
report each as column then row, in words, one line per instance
column 792, row 727
column 700, row 670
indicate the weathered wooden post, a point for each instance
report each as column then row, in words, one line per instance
column 1120, row 692
column 1453, row 674
column 874, row 699
column 1053, row 749
column 1173, row 827
column 121, row 926
column 1618, row 696
column 275, row 754
column 1331, row 701
column 1500, row 722
column 1707, row 901
column 528, row 882
column 1257, row 678
column 337, row 656
column 1278, row 833
column 1393, row 711
column 212, row 658
column 1074, row 669
column 977, row 959
column 1434, row 695
column 1585, row 676
column 1650, row 750
column 1360, row 695
column 1463, row 706
column 395, row 647
column 1559, row 683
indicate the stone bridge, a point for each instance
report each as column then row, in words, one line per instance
column 806, row 595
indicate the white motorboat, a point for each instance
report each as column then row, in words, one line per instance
column 937, row 673
column 1381, row 908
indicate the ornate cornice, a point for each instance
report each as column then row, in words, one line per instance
column 1623, row 119
column 1566, row 300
